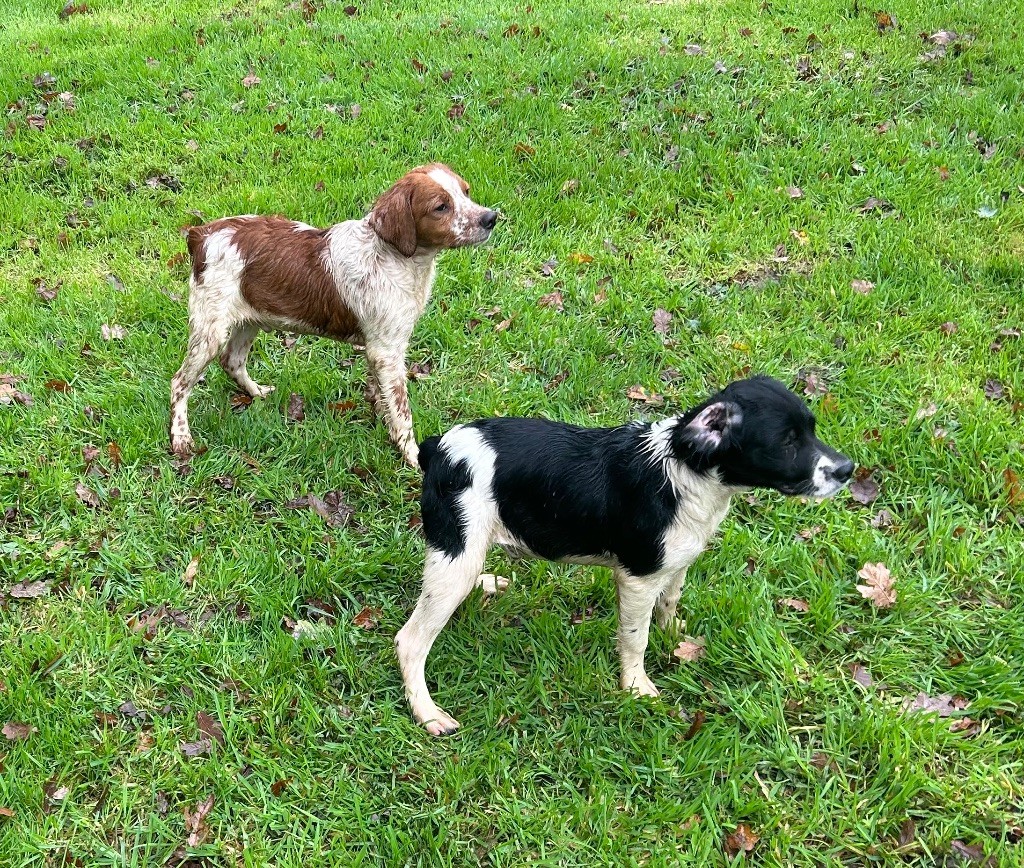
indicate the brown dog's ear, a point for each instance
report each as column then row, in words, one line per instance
column 392, row 218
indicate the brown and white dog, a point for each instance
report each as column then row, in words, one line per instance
column 362, row 281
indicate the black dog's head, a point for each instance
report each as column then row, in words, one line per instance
column 756, row 433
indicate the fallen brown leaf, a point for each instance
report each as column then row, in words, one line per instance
column 662, row 321
column 690, row 649
column 974, row 853
column 191, row 571
column 862, row 287
column 367, row 618
column 251, row 80
column 11, row 395
column 209, row 726
column 873, row 204
column 420, row 370
column 865, row 490
column 883, row 519
column 799, row 605
column 878, row 585
column 908, row 832
column 89, row 497
column 195, row 748
column 30, row 590
column 296, row 407
column 861, row 675
column 744, row 839
column 993, row 389
column 1012, row 486
column 943, row 705
column 639, row 393
column 17, row 731
column 240, row 401
column 195, row 822
column 552, row 299
column 72, row 8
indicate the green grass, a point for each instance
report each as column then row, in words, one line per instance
column 681, row 201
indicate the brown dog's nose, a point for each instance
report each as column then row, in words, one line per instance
column 489, row 219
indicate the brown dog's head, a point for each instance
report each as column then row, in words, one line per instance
column 430, row 209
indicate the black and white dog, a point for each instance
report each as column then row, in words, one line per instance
column 642, row 499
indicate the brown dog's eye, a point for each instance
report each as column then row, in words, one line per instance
column 442, row 207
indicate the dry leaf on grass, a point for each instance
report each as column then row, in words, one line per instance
column 552, row 299
column 209, row 726
column 662, row 320
column 690, row 649
column 864, row 490
column 87, row 496
column 296, row 411
column 195, row 822
column 17, row 731
column 639, row 393
column 367, row 618
column 878, row 585
column 943, row 705
column 29, row 590
column 744, row 839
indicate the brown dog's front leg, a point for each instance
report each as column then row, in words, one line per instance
column 389, row 368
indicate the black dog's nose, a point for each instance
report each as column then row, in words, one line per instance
column 489, row 219
column 842, row 471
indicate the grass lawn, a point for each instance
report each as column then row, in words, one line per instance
column 737, row 165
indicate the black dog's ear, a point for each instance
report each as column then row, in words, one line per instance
column 709, row 431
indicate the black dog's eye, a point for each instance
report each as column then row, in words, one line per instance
column 442, row 207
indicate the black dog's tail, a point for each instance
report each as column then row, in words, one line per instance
column 428, row 449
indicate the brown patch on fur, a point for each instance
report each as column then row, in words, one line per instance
column 196, row 241
column 406, row 215
column 401, row 398
column 285, row 274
